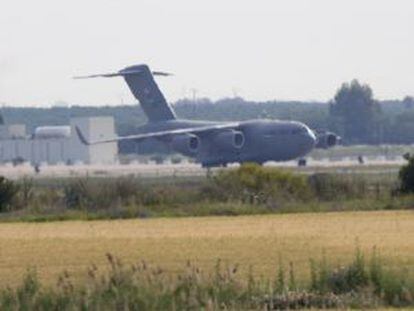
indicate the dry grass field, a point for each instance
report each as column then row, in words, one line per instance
column 258, row 241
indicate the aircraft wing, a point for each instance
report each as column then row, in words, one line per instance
column 159, row 134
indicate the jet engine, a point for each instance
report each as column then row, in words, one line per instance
column 327, row 140
column 229, row 140
column 187, row 144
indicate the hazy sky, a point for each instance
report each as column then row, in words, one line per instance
column 262, row 49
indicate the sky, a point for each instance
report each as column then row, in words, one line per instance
column 259, row 50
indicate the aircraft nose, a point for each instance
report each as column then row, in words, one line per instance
column 309, row 140
column 312, row 136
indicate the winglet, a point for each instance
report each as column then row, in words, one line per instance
column 81, row 137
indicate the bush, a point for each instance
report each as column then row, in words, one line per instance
column 362, row 278
column 406, row 177
column 26, row 192
column 255, row 184
column 329, row 187
column 8, row 191
column 349, row 278
column 99, row 193
column 176, row 160
column 158, row 158
column 75, row 194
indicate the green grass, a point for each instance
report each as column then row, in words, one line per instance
column 202, row 209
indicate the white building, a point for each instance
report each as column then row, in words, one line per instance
column 59, row 144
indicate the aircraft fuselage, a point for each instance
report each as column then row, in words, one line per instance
column 262, row 141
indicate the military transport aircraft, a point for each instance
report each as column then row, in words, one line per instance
column 213, row 143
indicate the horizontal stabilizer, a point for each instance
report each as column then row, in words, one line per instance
column 123, row 73
column 106, row 75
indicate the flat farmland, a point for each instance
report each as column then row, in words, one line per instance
column 257, row 241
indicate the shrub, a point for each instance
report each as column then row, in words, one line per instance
column 8, row 191
column 349, row 278
column 406, row 177
column 255, row 184
column 99, row 193
column 88, row 194
column 329, row 187
column 26, row 193
column 158, row 158
column 176, row 160
column 367, row 280
column 75, row 194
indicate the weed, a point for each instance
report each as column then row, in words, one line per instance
column 142, row 286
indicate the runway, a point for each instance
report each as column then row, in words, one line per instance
column 345, row 165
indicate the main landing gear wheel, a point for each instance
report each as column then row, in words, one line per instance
column 302, row 162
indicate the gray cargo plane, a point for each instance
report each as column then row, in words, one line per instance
column 213, row 143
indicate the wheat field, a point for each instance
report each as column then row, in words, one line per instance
column 257, row 241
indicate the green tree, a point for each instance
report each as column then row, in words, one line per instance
column 357, row 113
column 408, row 102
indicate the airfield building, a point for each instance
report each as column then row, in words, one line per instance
column 59, row 144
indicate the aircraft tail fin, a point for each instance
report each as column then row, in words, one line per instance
column 141, row 82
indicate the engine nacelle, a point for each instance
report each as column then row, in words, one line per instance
column 327, row 140
column 229, row 140
column 187, row 144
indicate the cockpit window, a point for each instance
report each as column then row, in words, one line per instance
column 287, row 131
column 299, row 130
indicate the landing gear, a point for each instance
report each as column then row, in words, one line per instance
column 36, row 168
column 208, row 173
column 302, row 162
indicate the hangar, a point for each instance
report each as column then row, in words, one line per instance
column 59, row 144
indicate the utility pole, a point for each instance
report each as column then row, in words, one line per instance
column 194, row 94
